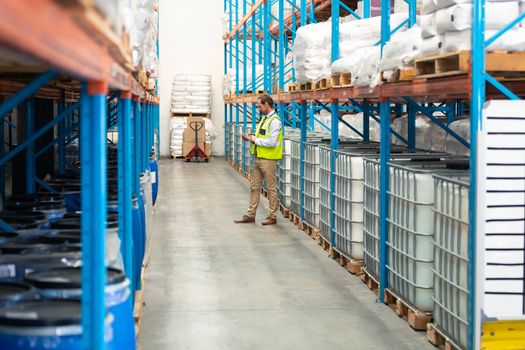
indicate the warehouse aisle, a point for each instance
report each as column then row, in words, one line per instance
column 212, row 284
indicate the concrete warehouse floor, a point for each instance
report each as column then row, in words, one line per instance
column 212, row 284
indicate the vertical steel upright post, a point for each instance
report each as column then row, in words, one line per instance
column 30, row 150
column 334, row 120
column 94, row 186
column 138, row 140
column 303, row 12
column 384, row 109
column 244, row 89
column 411, row 123
column 366, row 8
column 281, row 57
column 254, row 68
column 125, row 185
column 303, row 120
column 365, row 107
column 267, row 47
column 334, row 147
column 61, row 151
column 475, row 275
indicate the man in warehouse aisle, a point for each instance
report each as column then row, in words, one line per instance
column 267, row 147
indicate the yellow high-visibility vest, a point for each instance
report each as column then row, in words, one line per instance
column 262, row 131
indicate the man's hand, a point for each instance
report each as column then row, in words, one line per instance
column 249, row 137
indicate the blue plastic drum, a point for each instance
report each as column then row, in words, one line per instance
column 46, row 325
column 65, row 283
column 154, row 167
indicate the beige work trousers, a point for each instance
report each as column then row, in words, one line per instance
column 264, row 169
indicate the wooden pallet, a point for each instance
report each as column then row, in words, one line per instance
column 88, row 14
column 353, row 266
column 435, row 337
column 138, row 307
column 405, row 74
column 310, row 230
column 341, row 80
column 370, row 281
column 501, row 64
column 294, row 87
column 284, row 211
column 325, row 84
column 323, row 243
column 306, row 87
column 296, row 219
column 418, row 320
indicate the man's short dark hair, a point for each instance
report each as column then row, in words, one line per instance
column 266, row 99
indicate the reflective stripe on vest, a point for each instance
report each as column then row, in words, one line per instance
column 272, row 153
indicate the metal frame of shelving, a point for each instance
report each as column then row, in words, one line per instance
column 426, row 97
column 67, row 48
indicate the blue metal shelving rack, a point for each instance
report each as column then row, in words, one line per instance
column 74, row 52
column 274, row 37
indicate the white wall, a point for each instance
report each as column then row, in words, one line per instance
column 191, row 42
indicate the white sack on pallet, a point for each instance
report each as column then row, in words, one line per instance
column 428, row 6
column 428, row 25
column 459, row 17
column 453, row 146
column 354, row 35
column 312, row 52
column 432, row 46
column 401, row 49
column 366, row 72
column 512, row 40
column 345, row 64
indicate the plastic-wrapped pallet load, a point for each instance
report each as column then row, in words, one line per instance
column 424, row 138
column 399, row 52
column 446, row 26
column 356, row 121
column 453, row 146
column 312, row 52
column 191, row 94
column 143, row 24
column 230, row 79
column 360, row 55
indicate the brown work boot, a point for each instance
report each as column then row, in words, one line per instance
column 244, row 220
column 269, row 221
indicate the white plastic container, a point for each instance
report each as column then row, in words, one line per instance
column 371, row 215
column 324, row 192
column 411, row 229
column 451, row 238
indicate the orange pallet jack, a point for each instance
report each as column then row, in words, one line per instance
column 196, row 154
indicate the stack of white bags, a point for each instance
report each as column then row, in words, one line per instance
column 191, row 94
column 359, row 53
column 446, row 25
